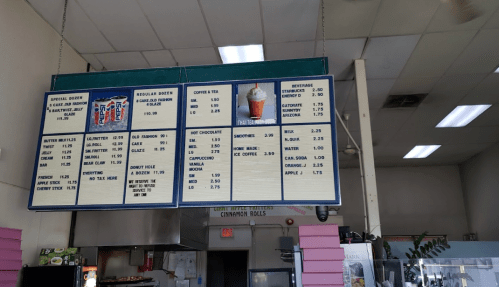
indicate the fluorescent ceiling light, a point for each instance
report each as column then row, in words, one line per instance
column 462, row 115
column 422, row 151
column 241, row 54
column 497, row 71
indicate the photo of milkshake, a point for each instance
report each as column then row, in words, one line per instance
column 256, row 101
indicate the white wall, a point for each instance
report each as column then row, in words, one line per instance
column 411, row 200
column 480, row 176
column 29, row 50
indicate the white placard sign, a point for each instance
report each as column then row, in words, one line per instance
column 155, row 109
column 66, row 113
column 103, row 169
column 58, row 168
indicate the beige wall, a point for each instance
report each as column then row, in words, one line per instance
column 481, row 192
column 29, row 50
column 411, row 200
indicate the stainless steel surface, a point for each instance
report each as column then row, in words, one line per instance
column 136, row 256
column 166, row 229
column 298, row 265
column 91, row 255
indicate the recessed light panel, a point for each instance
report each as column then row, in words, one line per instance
column 421, row 151
column 462, row 115
column 497, row 71
column 241, row 54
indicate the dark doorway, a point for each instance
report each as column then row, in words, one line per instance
column 227, row 269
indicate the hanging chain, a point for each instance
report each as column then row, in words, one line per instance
column 61, row 43
column 323, row 37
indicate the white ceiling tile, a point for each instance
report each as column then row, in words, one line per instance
column 123, row 60
column 354, row 121
column 484, row 93
column 446, row 18
column 341, row 54
column 387, row 56
column 391, row 119
column 92, row 59
column 233, row 22
column 474, row 135
column 289, row 50
column 289, row 20
column 460, row 150
column 377, row 91
column 457, row 83
column 80, row 32
column 481, row 55
column 408, row 86
column 197, row 56
column 348, row 19
column 493, row 21
column 161, row 58
column 402, row 17
column 341, row 93
column 179, row 24
column 123, row 23
column 489, row 118
column 435, row 53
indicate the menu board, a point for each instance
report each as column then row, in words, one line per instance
column 259, row 142
column 108, row 149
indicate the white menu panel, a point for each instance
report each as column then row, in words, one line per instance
column 103, row 169
column 207, row 165
column 256, row 164
column 305, row 101
column 155, row 109
column 307, row 162
column 151, row 167
column 66, row 113
column 209, row 106
column 58, row 168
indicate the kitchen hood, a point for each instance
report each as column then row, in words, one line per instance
column 162, row 229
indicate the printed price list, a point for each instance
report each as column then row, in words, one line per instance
column 305, row 101
column 256, row 164
column 56, row 180
column 151, row 167
column 209, row 106
column 66, row 113
column 103, row 168
column 207, row 165
column 307, row 162
column 155, row 109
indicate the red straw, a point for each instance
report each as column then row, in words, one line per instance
column 256, row 85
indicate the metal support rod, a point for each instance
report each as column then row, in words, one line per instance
column 367, row 149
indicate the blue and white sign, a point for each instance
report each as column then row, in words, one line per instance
column 235, row 143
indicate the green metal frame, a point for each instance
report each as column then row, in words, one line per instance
column 192, row 74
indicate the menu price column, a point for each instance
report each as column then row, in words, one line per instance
column 305, row 101
column 308, row 162
column 256, row 164
column 207, row 165
column 58, row 167
column 151, row 167
column 103, row 169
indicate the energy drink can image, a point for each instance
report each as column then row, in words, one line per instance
column 118, row 107
column 102, row 108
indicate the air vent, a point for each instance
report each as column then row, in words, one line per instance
column 403, row 101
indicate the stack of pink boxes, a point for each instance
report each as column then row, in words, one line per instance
column 10, row 256
column 322, row 256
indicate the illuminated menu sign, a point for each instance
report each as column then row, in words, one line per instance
column 260, row 142
column 108, row 149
